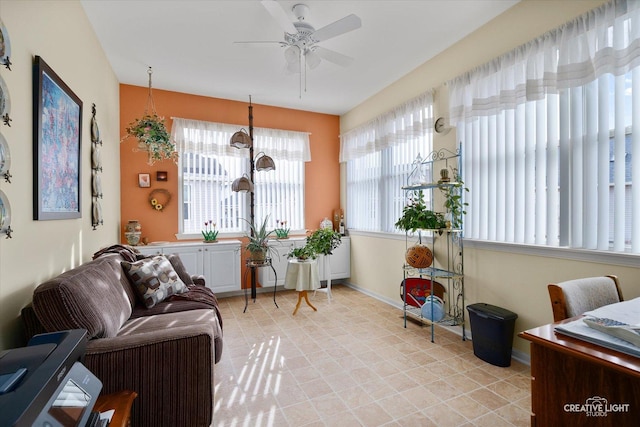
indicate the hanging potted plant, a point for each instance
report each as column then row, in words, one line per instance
column 151, row 133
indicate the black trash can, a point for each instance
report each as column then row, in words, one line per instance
column 492, row 333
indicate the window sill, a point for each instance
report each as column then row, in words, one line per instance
column 586, row 255
column 383, row 235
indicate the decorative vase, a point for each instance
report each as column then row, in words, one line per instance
column 326, row 223
column 133, row 226
column 133, row 237
column 444, row 175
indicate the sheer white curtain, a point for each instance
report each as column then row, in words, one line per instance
column 379, row 157
column 208, row 165
column 547, row 133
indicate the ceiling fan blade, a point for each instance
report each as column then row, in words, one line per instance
column 278, row 13
column 333, row 56
column 260, row 41
column 341, row 26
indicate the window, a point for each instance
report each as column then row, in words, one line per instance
column 208, row 166
column 547, row 137
column 380, row 157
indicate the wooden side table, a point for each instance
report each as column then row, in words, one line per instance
column 121, row 402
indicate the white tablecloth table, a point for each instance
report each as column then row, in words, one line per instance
column 302, row 276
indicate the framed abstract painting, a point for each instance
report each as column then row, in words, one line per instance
column 57, row 132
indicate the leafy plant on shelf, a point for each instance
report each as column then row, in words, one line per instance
column 302, row 253
column 210, row 233
column 416, row 216
column 454, row 203
column 282, row 232
column 324, row 241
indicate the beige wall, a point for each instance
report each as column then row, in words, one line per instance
column 60, row 33
column 514, row 281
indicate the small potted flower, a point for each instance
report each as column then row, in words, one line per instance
column 282, row 232
column 210, row 233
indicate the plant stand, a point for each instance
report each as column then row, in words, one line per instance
column 251, row 266
column 327, row 274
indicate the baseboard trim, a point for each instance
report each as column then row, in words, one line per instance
column 515, row 354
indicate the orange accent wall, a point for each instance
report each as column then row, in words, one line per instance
column 322, row 174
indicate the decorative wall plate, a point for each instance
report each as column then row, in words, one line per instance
column 5, row 46
column 5, row 213
column 96, row 185
column 5, row 156
column 96, row 213
column 5, row 100
column 96, row 157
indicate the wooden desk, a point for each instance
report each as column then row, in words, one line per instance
column 121, row 402
column 567, row 374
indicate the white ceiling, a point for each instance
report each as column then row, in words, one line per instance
column 190, row 45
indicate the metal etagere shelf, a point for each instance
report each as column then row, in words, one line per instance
column 446, row 244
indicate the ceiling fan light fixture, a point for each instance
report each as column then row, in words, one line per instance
column 312, row 59
column 241, row 139
column 292, row 54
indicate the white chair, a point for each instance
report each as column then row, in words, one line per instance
column 574, row 297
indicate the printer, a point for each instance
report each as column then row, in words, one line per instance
column 45, row 383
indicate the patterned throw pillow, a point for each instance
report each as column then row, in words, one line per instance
column 154, row 279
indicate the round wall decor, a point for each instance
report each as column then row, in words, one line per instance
column 159, row 199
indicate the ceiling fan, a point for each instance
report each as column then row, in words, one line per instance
column 301, row 38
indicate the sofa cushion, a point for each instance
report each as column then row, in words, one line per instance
column 90, row 297
column 154, row 279
column 178, row 266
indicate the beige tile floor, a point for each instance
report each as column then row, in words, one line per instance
column 352, row 363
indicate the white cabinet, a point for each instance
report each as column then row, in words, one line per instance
column 279, row 262
column 222, row 266
column 219, row 263
column 340, row 261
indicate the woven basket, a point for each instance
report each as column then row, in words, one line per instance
column 419, row 256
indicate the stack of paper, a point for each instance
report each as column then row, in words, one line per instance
column 626, row 312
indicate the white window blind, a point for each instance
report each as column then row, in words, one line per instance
column 208, row 165
column 379, row 157
column 547, row 136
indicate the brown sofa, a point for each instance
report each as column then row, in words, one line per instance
column 165, row 353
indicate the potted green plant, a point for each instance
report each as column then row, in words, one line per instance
column 153, row 137
column 302, row 253
column 416, row 216
column 258, row 243
column 453, row 199
column 324, row 241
